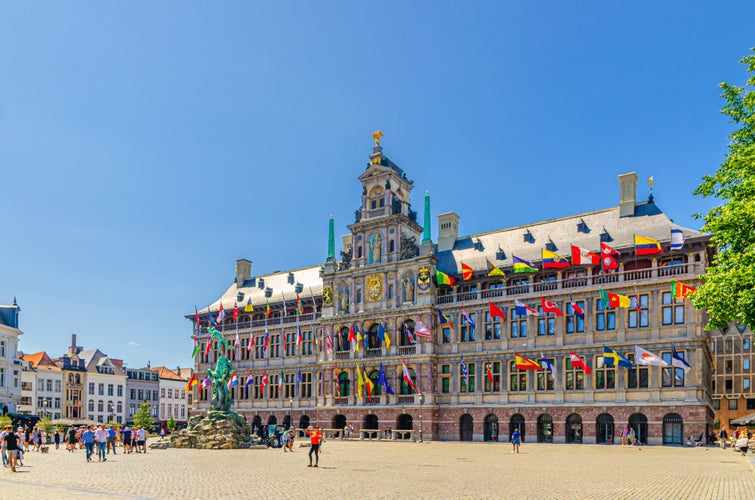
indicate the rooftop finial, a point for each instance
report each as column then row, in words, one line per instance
column 376, row 136
column 650, row 183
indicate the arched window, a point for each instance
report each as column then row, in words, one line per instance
column 100, row 406
column 404, row 422
column 344, row 384
column 343, row 339
column 405, row 387
column 673, row 429
column 407, row 333
column 271, row 420
column 339, row 421
column 573, row 428
column 371, row 339
column 544, row 428
column 466, row 427
column 377, row 389
column 604, row 429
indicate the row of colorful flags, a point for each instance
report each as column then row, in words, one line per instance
column 217, row 320
column 607, row 258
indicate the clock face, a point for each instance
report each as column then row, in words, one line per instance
column 375, row 287
column 327, row 295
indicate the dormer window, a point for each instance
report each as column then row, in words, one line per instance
column 605, row 237
column 478, row 245
column 290, row 278
column 582, row 227
column 551, row 246
column 261, row 283
column 500, row 254
column 529, row 237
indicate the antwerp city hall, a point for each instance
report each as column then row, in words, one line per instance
column 470, row 337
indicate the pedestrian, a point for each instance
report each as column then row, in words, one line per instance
column 126, row 440
column 632, row 436
column 141, row 439
column 21, row 439
column 87, row 437
column 162, row 432
column 100, row 438
column 625, row 435
column 315, row 439
column 290, row 435
column 722, row 437
column 3, row 432
column 742, row 443
column 10, row 444
column 56, row 438
column 111, row 440
column 516, row 439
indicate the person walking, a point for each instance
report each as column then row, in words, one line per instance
column 315, row 438
column 516, row 439
column 10, row 444
column 141, row 439
column 56, row 438
column 742, row 443
column 100, row 437
column 87, row 437
column 722, row 437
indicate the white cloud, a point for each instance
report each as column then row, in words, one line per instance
column 134, row 344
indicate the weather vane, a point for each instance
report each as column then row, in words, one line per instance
column 650, row 183
column 376, row 136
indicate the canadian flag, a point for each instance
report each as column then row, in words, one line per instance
column 608, row 257
column 581, row 256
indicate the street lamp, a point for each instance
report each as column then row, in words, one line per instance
column 110, row 411
column 421, row 400
column 291, row 412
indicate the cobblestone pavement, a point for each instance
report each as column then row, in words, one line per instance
column 391, row 470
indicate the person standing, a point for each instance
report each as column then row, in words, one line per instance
column 315, row 438
column 126, row 437
column 100, row 437
column 141, row 439
column 625, row 435
column 111, row 440
column 722, row 437
column 632, row 436
column 10, row 443
column 516, row 439
column 87, row 437
column 56, row 438
column 742, row 443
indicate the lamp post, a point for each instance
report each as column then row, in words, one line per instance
column 291, row 412
column 110, row 411
column 421, row 400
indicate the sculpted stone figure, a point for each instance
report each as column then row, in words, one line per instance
column 221, row 396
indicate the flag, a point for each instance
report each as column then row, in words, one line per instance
column 608, row 257
column 646, row 246
column 409, row 335
column 466, row 272
column 298, row 380
column 680, row 290
column 360, row 382
column 221, row 314
column 233, row 381
column 249, row 380
column 360, row 338
column 263, row 383
column 249, row 307
column 280, row 384
column 420, row 329
column 192, row 382
column 444, row 279
column 523, row 363
column 523, row 266
column 299, row 308
column 205, row 383
column 496, row 312
column 647, row 358
column 383, row 335
column 444, row 319
column 578, row 362
column 211, row 317
column 408, row 377
column 235, row 313
column 196, row 348
column 614, row 300
column 580, row 256
column 196, row 316
column 209, row 347
column 285, row 309
column 550, row 307
column 368, row 386
column 677, row 239
column 637, row 304
column 464, row 372
column 523, row 309
column 490, row 375
column 678, row 361
column 299, row 336
column 251, row 343
column 495, row 270
column 466, row 317
column 552, row 260
column 383, row 380
column 267, row 308
column 547, row 365
column 352, row 337
column 266, row 342
column 577, row 309
column 329, row 343
column 613, row 358
column 237, row 342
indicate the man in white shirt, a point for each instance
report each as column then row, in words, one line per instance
column 141, row 440
column 100, row 439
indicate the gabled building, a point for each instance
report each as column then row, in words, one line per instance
column 74, row 380
column 41, row 387
column 461, row 328
column 105, row 387
column 173, row 402
column 10, row 364
column 142, row 386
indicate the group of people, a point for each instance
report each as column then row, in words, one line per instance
column 741, row 438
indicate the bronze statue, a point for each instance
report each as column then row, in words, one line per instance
column 221, row 396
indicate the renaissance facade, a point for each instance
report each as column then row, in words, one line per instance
column 313, row 342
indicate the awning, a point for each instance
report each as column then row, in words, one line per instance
column 746, row 420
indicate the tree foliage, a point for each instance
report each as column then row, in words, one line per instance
column 45, row 424
column 171, row 424
column 142, row 417
column 728, row 289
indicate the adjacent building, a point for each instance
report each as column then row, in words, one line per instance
column 733, row 375
column 173, row 401
column 74, row 377
column 105, row 397
column 310, row 337
column 10, row 364
column 142, row 386
column 41, row 387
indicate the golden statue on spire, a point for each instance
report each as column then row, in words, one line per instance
column 376, row 136
column 650, row 183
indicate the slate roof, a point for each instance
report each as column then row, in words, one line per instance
column 94, row 358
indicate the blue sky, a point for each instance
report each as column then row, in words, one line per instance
column 144, row 147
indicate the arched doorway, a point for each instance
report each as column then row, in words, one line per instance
column 466, row 427
column 673, row 429
column 271, row 420
column 490, row 429
column 544, row 428
column 573, row 428
column 516, row 422
column 339, row 422
column 404, row 422
column 371, row 422
column 257, row 425
column 287, row 421
column 303, row 424
column 371, row 339
column 604, row 429
column 639, row 423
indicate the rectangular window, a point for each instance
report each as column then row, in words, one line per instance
column 638, row 314
column 492, row 369
column 546, row 325
column 259, row 345
column 746, row 364
column 750, row 403
column 91, row 388
column 518, row 324
column 746, row 384
column 637, row 376
column 289, row 385
column 733, row 404
column 49, row 385
column 445, row 379
column 101, row 389
column 672, row 313
column 467, row 385
column 492, row 327
column 274, row 388
column 141, row 394
column 605, row 318
column 605, row 376
column 517, row 378
column 162, row 392
column 545, row 380
column 290, row 339
column 58, row 386
column 716, row 404
column 574, row 324
column 746, row 344
column 275, row 345
column 307, row 346
column 306, row 385
column 446, row 335
column 672, row 377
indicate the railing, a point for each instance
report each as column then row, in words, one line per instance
column 372, row 402
column 493, row 293
column 446, row 299
column 343, row 354
column 373, row 353
column 605, row 278
column 406, row 399
column 406, row 350
column 463, row 296
column 341, row 401
column 673, row 270
column 517, row 290
column 575, row 282
column 545, row 285
column 375, row 212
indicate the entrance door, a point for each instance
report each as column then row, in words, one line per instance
column 573, row 428
column 517, row 422
column 466, row 427
column 490, row 432
column 544, row 428
column 673, row 429
column 604, row 429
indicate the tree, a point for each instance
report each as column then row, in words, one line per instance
column 5, row 420
column 728, row 289
column 171, row 424
column 142, row 416
column 45, row 424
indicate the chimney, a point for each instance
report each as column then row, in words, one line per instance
column 627, row 194
column 243, row 271
column 73, row 340
column 448, row 231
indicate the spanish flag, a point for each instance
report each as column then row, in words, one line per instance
column 614, row 300
column 443, row 279
column 680, row 290
column 523, row 363
column 646, row 246
column 466, row 272
column 192, row 382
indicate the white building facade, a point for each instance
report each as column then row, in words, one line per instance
column 10, row 365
